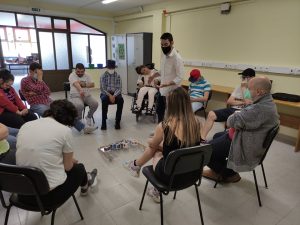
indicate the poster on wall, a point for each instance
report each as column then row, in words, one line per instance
column 121, row 49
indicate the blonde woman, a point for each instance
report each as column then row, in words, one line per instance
column 179, row 129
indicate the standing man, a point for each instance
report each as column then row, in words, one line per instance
column 35, row 90
column 171, row 72
column 80, row 84
column 110, row 87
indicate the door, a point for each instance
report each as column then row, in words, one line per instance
column 135, row 55
column 54, row 55
column 119, row 49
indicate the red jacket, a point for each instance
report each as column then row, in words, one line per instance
column 6, row 104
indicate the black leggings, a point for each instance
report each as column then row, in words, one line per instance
column 14, row 120
column 75, row 177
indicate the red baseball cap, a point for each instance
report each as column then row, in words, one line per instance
column 194, row 75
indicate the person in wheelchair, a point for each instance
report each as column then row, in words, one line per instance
column 145, row 71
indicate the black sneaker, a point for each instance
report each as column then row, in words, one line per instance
column 149, row 112
column 117, row 126
column 103, row 126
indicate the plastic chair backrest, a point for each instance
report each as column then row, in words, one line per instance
column 268, row 140
column 187, row 160
column 23, row 180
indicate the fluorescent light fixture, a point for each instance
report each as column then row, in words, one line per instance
column 108, row 1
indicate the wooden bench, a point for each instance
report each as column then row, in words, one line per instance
column 292, row 121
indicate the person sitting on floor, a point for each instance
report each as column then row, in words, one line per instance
column 179, row 129
column 144, row 73
column 13, row 112
column 46, row 143
column 239, row 98
column 111, row 93
column 198, row 90
column 242, row 144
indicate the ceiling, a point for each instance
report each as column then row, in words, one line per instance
column 118, row 7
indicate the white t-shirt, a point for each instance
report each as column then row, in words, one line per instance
column 146, row 78
column 238, row 93
column 171, row 69
column 41, row 143
column 74, row 93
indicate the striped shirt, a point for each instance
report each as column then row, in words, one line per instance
column 197, row 89
column 111, row 83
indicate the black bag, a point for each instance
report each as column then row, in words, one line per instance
column 286, row 97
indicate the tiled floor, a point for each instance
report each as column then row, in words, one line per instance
column 116, row 198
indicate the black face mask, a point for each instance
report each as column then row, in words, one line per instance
column 166, row 50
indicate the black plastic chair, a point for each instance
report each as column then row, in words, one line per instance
column 266, row 144
column 203, row 108
column 180, row 162
column 22, row 98
column 66, row 89
column 27, row 181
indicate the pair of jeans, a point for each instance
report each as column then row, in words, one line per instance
column 105, row 102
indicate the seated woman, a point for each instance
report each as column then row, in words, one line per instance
column 145, row 88
column 13, row 113
column 179, row 129
column 7, row 154
column 46, row 143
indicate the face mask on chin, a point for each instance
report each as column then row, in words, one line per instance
column 166, row 50
column 111, row 71
column 35, row 76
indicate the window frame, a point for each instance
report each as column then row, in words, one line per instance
column 56, row 30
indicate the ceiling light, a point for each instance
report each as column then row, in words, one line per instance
column 108, row 1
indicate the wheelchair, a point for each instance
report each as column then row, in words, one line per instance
column 144, row 106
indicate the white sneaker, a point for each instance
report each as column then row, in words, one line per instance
column 89, row 130
column 88, row 121
column 154, row 194
column 134, row 170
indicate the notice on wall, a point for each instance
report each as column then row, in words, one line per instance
column 121, row 50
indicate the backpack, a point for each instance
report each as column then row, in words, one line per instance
column 286, row 97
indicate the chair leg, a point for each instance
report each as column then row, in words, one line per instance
column 7, row 214
column 256, row 186
column 2, row 200
column 263, row 172
column 53, row 216
column 146, row 185
column 161, row 209
column 199, row 205
column 77, row 206
column 174, row 194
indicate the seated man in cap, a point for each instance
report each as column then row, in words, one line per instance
column 111, row 87
column 80, row 84
column 241, row 147
column 239, row 98
column 198, row 90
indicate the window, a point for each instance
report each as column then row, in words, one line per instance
column 77, row 27
column 60, row 24
column 43, row 22
column 25, row 20
column 19, row 32
column 7, row 19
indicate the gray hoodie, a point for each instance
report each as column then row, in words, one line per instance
column 251, row 125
